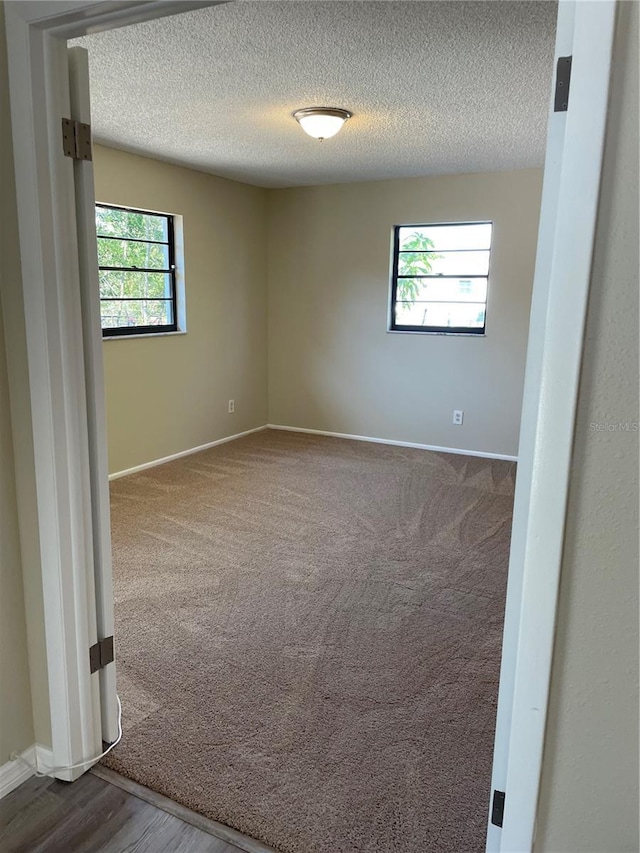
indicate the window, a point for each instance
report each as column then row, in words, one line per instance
column 136, row 259
column 440, row 277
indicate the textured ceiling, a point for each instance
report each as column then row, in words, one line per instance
column 435, row 87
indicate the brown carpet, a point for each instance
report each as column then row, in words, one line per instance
column 309, row 634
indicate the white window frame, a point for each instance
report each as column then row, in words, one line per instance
column 453, row 331
column 172, row 270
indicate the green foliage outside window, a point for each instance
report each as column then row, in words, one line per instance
column 414, row 263
column 138, row 290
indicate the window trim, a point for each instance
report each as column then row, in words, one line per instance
column 470, row 331
column 165, row 328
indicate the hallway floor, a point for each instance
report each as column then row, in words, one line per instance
column 92, row 815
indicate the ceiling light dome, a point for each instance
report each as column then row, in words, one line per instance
column 321, row 122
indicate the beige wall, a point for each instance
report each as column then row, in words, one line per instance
column 16, row 723
column 589, row 795
column 333, row 366
column 167, row 394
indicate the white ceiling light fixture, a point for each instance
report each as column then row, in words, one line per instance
column 321, row 122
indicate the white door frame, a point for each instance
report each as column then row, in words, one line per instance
column 571, row 188
column 85, row 201
column 44, row 306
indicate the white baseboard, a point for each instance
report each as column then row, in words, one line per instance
column 14, row 773
column 182, row 453
column 457, row 450
column 44, row 758
column 390, row 441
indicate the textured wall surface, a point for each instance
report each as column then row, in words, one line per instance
column 16, row 722
column 332, row 364
column 167, row 394
column 589, row 796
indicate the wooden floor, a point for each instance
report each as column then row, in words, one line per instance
column 95, row 815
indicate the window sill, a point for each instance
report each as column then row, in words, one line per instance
column 143, row 335
column 438, row 334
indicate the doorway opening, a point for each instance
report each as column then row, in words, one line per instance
column 331, row 609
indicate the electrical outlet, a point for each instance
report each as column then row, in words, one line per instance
column 232, row 406
column 458, row 416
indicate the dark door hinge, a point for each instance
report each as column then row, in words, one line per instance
column 563, row 79
column 100, row 654
column 76, row 139
column 497, row 808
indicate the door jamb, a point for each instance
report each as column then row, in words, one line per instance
column 556, row 333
